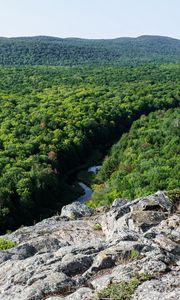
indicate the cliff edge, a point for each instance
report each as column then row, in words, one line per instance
column 128, row 251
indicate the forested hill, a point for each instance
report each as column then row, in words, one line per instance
column 44, row 50
column 53, row 118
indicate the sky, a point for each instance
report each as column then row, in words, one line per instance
column 90, row 18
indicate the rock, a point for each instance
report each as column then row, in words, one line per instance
column 157, row 202
column 80, row 294
column 76, row 210
column 112, row 225
column 117, row 274
column 44, row 286
column 167, row 244
column 102, row 209
column 48, row 244
column 102, row 261
column 18, row 253
column 152, row 267
column 126, row 235
column 137, row 222
column 119, row 202
column 55, row 298
column 166, row 287
column 36, row 288
column 139, row 215
column 65, row 258
column 169, row 228
column 144, row 220
column 72, row 265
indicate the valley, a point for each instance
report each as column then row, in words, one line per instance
column 89, row 150
column 56, row 119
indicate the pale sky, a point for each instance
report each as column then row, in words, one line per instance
column 90, row 18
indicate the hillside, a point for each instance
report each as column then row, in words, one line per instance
column 64, row 103
column 145, row 159
column 44, row 50
column 53, row 118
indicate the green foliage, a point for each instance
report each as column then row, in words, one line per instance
column 97, row 227
column 44, row 50
column 123, row 290
column 134, row 254
column 174, row 195
column 147, row 159
column 52, row 118
column 6, row 244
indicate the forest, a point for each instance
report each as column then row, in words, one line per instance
column 54, row 117
column 144, row 160
column 44, row 50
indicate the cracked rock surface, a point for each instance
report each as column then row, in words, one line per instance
column 75, row 255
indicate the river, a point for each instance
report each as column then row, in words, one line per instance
column 87, row 190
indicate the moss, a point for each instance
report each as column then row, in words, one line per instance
column 134, row 254
column 130, row 256
column 123, row 290
column 6, row 244
column 174, row 195
column 97, row 226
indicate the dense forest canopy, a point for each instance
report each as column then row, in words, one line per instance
column 64, row 99
column 145, row 159
column 52, row 118
column 44, row 50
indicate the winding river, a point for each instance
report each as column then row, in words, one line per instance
column 87, row 190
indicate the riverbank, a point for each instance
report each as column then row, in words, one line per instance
column 87, row 178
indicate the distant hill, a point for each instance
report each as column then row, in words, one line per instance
column 44, row 50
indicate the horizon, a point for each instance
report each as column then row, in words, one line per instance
column 84, row 38
column 97, row 19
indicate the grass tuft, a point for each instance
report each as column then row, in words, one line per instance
column 6, row 244
column 123, row 290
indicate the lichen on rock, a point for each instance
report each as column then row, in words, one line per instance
column 65, row 258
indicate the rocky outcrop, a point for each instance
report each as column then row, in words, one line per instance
column 75, row 255
column 76, row 210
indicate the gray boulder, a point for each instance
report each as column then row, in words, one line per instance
column 119, row 202
column 76, row 210
column 157, row 202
